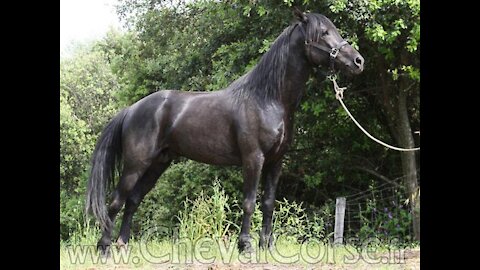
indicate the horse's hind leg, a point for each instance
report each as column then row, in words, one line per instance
column 129, row 178
column 144, row 185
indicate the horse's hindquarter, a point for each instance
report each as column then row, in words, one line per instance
column 202, row 128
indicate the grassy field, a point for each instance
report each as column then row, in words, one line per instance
column 207, row 253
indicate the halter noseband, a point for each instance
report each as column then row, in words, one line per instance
column 333, row 52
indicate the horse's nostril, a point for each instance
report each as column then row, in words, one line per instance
column 359, row 61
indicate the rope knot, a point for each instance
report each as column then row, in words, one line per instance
column 338, row 90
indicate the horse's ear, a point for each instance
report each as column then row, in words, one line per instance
column 299, row 14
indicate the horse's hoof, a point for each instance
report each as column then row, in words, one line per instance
column 246, row 250
column 104, row 250
column 266, row 242
column 121, row 244
column 244, row 246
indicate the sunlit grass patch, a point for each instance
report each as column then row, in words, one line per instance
column 223, row 253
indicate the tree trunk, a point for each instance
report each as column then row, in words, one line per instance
column 394, row 102
column 409, row 165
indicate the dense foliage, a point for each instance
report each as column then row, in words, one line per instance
column 205, row 45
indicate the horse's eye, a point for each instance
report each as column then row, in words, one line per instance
column 325, row 33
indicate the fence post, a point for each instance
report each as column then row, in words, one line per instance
column 339, row 219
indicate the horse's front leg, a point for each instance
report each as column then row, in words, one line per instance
column 252, row 169
column 271, row 174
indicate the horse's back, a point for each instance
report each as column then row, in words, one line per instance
column 197, row 125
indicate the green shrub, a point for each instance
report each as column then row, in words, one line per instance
column 385, row 221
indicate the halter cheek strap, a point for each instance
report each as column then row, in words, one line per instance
column 333, row 52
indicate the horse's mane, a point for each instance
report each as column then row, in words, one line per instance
column 264, row 81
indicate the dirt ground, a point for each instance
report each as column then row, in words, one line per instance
column 411, row 261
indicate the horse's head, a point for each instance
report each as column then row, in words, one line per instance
column 324, row 46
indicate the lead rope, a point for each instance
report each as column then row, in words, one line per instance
column 339, row 97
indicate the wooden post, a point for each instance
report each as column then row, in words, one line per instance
column 339, row 219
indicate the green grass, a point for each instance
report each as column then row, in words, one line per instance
column 223, row 254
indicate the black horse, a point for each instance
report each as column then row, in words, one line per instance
column 249, row 124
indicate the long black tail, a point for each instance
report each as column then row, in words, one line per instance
column 106, row 160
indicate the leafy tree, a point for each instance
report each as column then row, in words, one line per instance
column 89, row 87
column 87, row 102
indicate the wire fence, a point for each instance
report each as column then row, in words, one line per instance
column 382, row 212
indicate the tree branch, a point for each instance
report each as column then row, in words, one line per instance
column 376, row 174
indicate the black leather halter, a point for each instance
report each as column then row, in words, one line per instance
column 333, row 52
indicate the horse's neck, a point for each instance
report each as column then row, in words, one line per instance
column 296, row 76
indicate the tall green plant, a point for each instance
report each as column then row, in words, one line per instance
column 205, row 216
